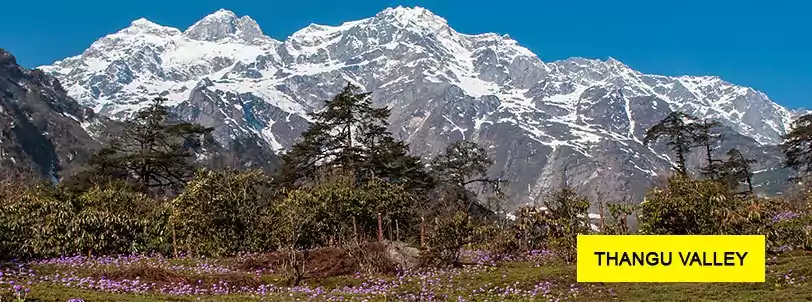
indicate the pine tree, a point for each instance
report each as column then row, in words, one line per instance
column 151, row 152
column 349, row 134
column 464, row 164
column 797, row 145
column 679, row 133
column 704, row 137
column 737, row 169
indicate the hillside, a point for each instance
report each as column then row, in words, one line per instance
column 42, row 129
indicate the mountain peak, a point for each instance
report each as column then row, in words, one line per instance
column 142, row 25
column 223, row 24
column 407, row 16
column 143, row 22
column 618, row 65
column 405, row 10
column 222, row 13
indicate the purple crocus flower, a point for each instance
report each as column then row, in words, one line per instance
column 784, row 216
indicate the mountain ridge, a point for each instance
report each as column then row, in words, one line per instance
column 535, row 117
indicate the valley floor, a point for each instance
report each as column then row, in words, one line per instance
column 140, row 278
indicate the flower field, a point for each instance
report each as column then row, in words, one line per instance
column 534, row 277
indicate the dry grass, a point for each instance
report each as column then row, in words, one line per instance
column 145, row 272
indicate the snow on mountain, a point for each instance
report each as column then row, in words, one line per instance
column 800, row 112
column 578, row 119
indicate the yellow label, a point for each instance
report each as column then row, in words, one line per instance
column 671, row 258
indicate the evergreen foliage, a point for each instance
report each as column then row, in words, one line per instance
column 142, row 195
column 703, row 136
column 349, row 134
column 153, row 152
column 341, row 213
column 680, row 135
column 797, row 145
column 461, row 169
column 689, row 207
column 737, row 170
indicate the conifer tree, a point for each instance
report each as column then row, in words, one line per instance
column 737, row 170
column 704, row 137
column 797, row 145
column 152, row 152
column 679, row 133
column 464, row 164
column 349, row 134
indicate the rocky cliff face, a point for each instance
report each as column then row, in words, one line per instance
column 42, row 129
column 578, row 120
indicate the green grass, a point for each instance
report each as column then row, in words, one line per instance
column 451, row 284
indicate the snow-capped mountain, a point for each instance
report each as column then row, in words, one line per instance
column 45, row 132
column 800, row 112
column 578, row 119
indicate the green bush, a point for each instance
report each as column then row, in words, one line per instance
column 38, row 222
column 449, row 234
column 555, row 228
column 532, row 229
column 569, row 213
column 706, row 207
column 618, row 223
column 691, row 207
column 223, row 212
column 113, row 219
column 336, row 201
column 790, row 233
column 785, row 225
column 47, row 221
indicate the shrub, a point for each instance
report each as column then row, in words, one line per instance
column 619, row 214
column 781, row 220
column 706, row 207
column 789, row 230
column 533, row 228
column 223, row 212
column 336, row 201
column 569, row 218
column 445, row 242
column 112, row 219
column 47, row 221
column 373, row 258
column 38, row 223
column 691, row 207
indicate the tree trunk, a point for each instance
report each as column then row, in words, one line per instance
column 380, row 229
column 174, row 241
column 354, row 231
column 681, row 160
column 422, row 233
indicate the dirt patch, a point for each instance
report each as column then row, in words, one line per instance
column 319, row 263
column 329, row 262
column 338, row 261
column 157, row 275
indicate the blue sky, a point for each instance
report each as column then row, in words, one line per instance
column 762, row 44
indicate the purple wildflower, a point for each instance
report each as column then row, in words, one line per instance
column 784, row 216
